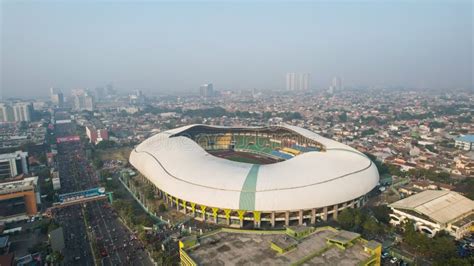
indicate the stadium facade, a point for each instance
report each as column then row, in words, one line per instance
column 200, row 170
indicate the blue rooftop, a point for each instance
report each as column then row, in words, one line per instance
column 466, row 138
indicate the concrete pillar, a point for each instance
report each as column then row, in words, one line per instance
column 272, row 219
column 227, row 216
column 214, row 214
column 193, row 208
column 185, row 207
column 287, row 218
column 203, row 212
column 177, row 204
column 300, row 217
column 241, row 217
column 336, row 210
column 313, row 216
column 256, row 219
column 325, row 216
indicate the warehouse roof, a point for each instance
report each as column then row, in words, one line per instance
column 439, row 205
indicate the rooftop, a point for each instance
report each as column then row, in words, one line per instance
column 439, row 205
column 18, row 185
column 466, row 138
column 254, row 249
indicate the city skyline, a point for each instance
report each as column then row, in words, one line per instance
column 245, row 45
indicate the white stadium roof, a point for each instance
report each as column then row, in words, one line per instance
column 183, row 169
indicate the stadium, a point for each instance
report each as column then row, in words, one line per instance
column 255, row 176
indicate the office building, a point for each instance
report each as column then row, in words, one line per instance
column 13, row 164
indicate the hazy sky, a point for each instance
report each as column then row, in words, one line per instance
column 165, row 46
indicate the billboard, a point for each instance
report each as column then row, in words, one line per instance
column 68, row 139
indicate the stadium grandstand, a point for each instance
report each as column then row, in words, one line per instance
column 254, row 176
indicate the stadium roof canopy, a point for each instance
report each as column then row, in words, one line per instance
column 439, row 205
column 179, row 166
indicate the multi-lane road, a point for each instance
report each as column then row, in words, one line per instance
column 93, row 227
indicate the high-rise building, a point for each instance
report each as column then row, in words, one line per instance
column 337, row 83
column 22, row 111
column 100, row 94
column 6, row 113
column 83, row 101
column 137, row 97
column 297, row 81
column 290, row 81
column 57, row 97
column 206, row 90
column 13, row 164
column 89, row 103
column 304, row 81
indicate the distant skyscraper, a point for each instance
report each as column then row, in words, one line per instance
column 99, row 94
column 57, row 97
column 304, row 84
column 83, row 100
column 137, row 97
column 337, row 83
column 206, row 90
column 297, row 81
column 290, row 81
column 89, row 103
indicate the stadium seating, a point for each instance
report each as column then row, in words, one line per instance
column 304, row 149
column 253, row 143
column 291, row 151
column 281, row 155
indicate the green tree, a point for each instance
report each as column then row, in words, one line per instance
column 371, row 227
column 162, row 207
column 346, row 218
column 381, row 213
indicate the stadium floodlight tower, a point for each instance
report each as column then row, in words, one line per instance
column 255, row 176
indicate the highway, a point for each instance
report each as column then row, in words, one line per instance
column 116, row 245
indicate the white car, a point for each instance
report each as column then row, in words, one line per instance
column 394, row 260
